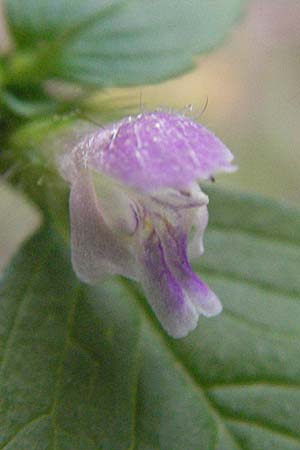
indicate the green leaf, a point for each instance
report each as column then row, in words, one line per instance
column 68, row 362
column 85, row 368
column 120, row 42
column 26, row 108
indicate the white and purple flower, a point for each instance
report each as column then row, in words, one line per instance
column 136, row 209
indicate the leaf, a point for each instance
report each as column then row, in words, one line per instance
column 120, row 42
column 26, row 108
column 65, row 368
column 85, row 368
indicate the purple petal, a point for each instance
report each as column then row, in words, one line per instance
column 155, row 150
column 174, row 243
column 172, row 307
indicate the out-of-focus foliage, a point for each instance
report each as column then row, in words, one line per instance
column 120, row 42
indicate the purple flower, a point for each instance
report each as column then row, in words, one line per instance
column 136, row 209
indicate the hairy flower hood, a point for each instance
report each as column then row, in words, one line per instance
column 136, row 209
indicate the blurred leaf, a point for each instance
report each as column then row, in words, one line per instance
column 120, row 42
column 46, row 20
column 26, row 108
column 85, row 368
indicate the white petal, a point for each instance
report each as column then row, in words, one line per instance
column 117, row 204
column 200, row 221
column 96, row 249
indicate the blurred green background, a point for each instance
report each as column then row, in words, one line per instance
column 252, row 84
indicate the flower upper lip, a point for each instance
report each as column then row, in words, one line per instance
column 155, row 150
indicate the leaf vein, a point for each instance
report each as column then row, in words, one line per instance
column 261, row 327
column 21, row 428
column 253, row 423
column 249, row 384
column 59, row 372
column 77, row 344
column 211, row 271
column 257, row 233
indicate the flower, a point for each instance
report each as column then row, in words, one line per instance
column 135, row 202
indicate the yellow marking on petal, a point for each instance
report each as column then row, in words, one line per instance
column 148, row 225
